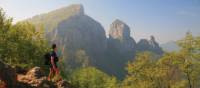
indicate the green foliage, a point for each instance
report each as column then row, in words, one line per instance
column 21, row 44
column 141, row 71
column 190, row 52
column 81, row 58
column 172, row 70
column 91, row 77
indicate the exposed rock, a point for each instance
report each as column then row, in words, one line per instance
column 149, row 45
column 119, row 30
column 63, row 84
column 121, row 48
column 120, row 39
column 35, row 78
column 82, row 32
column 35, row 73
column 72, row 28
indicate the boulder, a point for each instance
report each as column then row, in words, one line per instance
column 35, row 78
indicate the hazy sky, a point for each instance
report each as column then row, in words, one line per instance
column 165, row 19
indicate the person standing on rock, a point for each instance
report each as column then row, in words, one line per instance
column 53, row 62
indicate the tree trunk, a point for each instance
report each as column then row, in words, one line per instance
column 189, row 80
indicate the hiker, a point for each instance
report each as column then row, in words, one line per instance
column 53, row 62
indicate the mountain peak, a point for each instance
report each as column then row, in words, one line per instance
column 118, row 30
column 149, row 45
column 78, row 8
column 152, row 38
column 117, row 21
column 75, row 8
column 54, row 17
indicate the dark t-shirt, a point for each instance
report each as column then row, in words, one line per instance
column 54, row 55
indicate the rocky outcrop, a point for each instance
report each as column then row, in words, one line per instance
column 120, row 49
column 149, row 45
column 120, row 39
column 34, row 78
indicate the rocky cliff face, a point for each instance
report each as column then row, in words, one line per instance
column 120, row 39
column 72, row 28
column 149, row 45
column 82, row 32
column 121, row 49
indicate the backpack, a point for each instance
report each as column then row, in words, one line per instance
column 47, row 58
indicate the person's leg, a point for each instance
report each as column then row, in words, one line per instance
column 57, row 72
column 50, row 73
column 59, row 78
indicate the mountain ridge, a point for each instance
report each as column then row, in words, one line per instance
column 77, row 32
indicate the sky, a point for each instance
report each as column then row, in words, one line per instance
column 167, row 20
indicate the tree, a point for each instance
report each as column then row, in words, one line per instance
column 141, row 71
column 172, row 70
column 190, row 51
column 5, row 25
column 82, row 59
column 21, row 44
column 90, row 77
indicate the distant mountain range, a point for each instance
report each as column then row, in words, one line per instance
column 170, row 46
column 72, row 28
